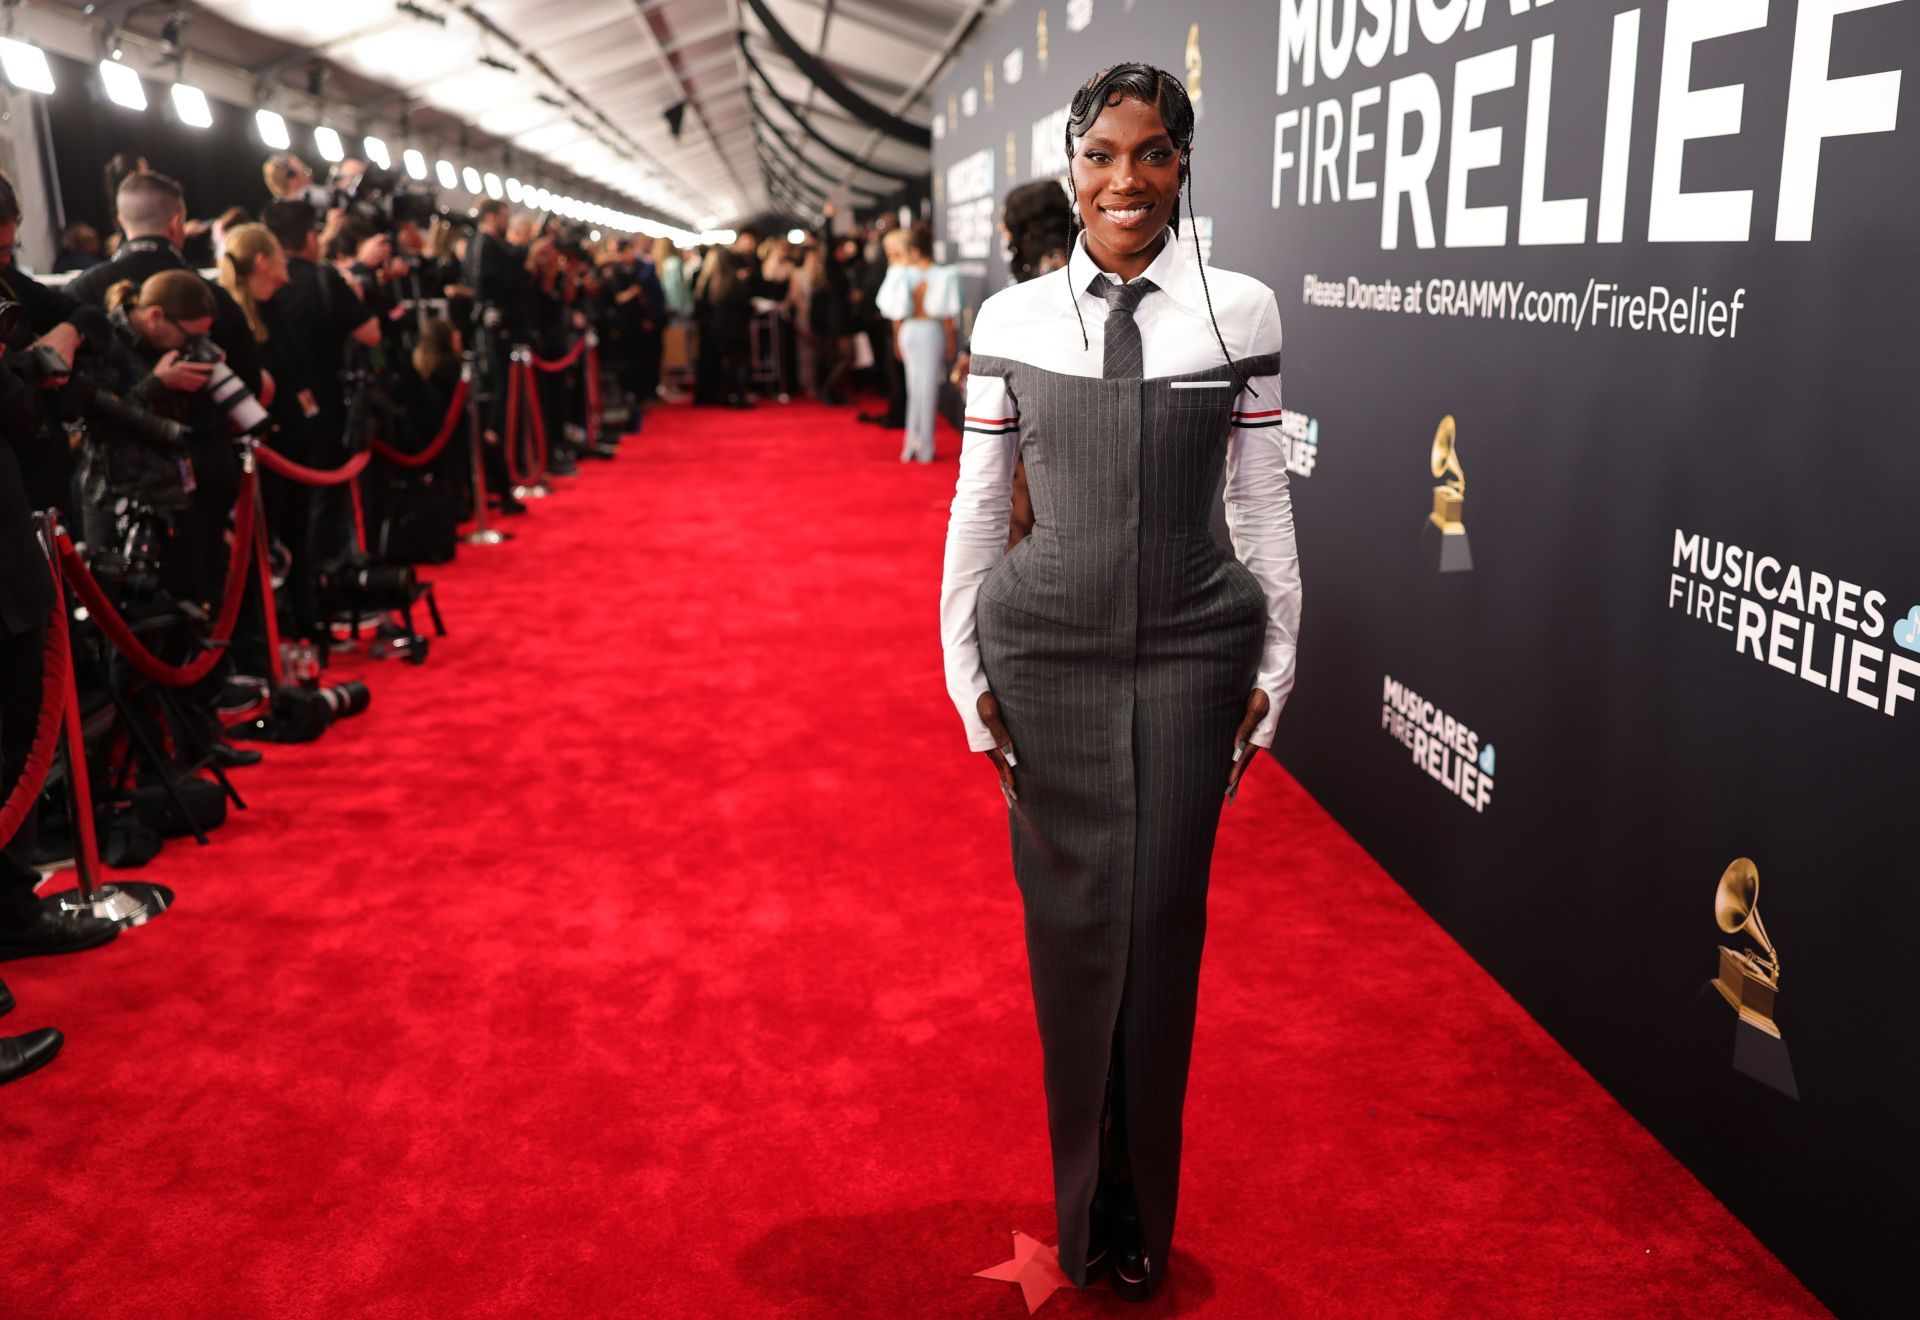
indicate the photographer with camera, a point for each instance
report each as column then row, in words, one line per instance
column 152, row 209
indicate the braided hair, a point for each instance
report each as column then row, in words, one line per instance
column 1167, row 94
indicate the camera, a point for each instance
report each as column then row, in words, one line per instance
column 244, row 414
column 378, row 197
column 82, row 398
column 359, row 586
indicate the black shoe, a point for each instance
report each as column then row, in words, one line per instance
column 6, row 999
column 56, row 932
column 1135, row 1278
column 512, row 507
column 600, row 451
column 1100, row 1233
column 20, row 1055
column 877, row 419
column 229, row 757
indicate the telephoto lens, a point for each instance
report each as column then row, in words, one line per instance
column 244, row 413
column 346, row 698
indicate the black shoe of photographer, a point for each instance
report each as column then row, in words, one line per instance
column 55, row 932
column 6, row 999
column 511, row 507
column 20, row 1055
column 562, row 467
column 229, row 757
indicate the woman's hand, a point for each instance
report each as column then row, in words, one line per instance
column 1243, row 748
column 177, row 374
column 1002, row 750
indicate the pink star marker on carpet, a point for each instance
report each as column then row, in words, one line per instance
column 1035, row 1267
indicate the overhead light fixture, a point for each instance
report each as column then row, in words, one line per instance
column 328, row 142
column 377, row 152
column 494, row 62
column 174, row 28
column 444, row 171
column 676, row 113
column 471, row 177
column 272, row 129
column 494, row 189
column 123, row 85
column 514, row 191
column 25, row 65
column 412, row 10
column 796, row 236
column 415, row 162
column 190, row 103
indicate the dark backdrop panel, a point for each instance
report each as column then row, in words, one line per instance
column 1637, row 750
column 219, row 166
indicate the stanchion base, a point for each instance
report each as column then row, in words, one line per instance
column 537, row 491
column 487, row 536
column 126, row 903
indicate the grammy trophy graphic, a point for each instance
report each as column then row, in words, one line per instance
column 1749, row 980
column 1449, row 498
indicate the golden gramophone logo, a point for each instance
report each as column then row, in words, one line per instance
column 1749, row 979
column 1013, row 166
column 1449, row 499
column 1040, row 41
column 1193, row 71
column 988, row 73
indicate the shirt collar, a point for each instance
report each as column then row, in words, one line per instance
column 1172, row 271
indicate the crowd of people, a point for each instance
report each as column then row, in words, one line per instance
column 346, row 328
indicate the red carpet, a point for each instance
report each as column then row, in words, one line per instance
column 654, row 951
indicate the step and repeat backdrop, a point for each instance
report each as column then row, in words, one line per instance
column 1601, row 321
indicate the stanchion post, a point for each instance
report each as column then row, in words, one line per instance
column 263, row 560
column 523, row 400
column 108, row 902
column 481, row 533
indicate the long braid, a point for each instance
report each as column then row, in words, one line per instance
column 1200, row 260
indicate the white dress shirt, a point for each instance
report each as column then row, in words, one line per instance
column 1036, row 323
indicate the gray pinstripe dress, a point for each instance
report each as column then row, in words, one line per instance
column 1120, row 642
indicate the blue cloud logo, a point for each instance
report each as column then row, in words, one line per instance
column 1486, row 753
column 1907, row 631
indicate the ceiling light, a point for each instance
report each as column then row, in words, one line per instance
column 26, row 66
column 471, row 177
column 272, row 129
column 123, row 85
column 514, row 191
column 377, row 153
column 328, row 142
column 415, row 162
column 494, row 189
column 444, row 171
column 190, row 103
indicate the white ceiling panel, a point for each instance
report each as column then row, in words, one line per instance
column 616, row 66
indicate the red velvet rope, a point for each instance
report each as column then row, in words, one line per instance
column 560, row 363
column 122, row 636
column 307, row 476
column 46, row 734
column 455, row 411
column 515, row 474
column 539, row 419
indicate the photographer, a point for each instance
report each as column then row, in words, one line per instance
column 26, row 600
column 498, row 273
column 153, row 212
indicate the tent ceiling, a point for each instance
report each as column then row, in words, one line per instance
column 614, row 67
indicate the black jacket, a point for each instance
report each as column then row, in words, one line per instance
column 139, row 258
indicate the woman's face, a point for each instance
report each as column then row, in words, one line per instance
column 1126, row 177
column 269, row 274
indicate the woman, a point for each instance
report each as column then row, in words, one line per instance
column 921, row 299
column 125, row 476
column 253, row 268
column 1116, row 666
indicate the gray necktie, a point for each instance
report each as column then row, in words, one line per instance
column 1123, row 357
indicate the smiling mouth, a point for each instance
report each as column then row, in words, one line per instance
column 1127, row 217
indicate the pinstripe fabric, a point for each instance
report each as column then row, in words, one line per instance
column 1120, row 643
column 1123, row 355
